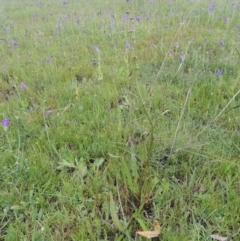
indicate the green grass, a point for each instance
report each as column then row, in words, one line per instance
column 133, row 135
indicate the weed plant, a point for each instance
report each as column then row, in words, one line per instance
column 118, row 113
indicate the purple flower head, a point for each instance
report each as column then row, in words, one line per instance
column 23, row 85
column 112, row 26
column 77, row 21
column 127, row 46
column 170, row 51
column 221, row 42
column 177, row 44
column 60, row 22
column 57, row 31
column 15, row 43
column 4, row 67
column 95, row 48
column 219, row 72
column 138, row 18
column 112, row 14
column 47, row 112
column 64, row 3
column 212, row 7
column 49, row 59
column 5, row 123
column 126, row 17
column 6, row 29
column 132, row 27
column 152, row 45
column 181, row 57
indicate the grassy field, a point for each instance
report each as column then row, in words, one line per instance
column 118, row 113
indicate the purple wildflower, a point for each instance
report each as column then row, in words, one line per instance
column 219, row 72
column 170, row 51
column 77, row 21
column 181, row 57
column 177, row 44
column 138, row 18
column 23, row 85
column 127, row 46
column 126, row 17
column 132, row 27
column 64, row 3
column 220, row 42
column 6, row 29
column 112, row 26
column 4, row 67
column 95, row 48
column 60, row 22
column 15, row 43
column 49, row 59
column 212, row 7
column 47, row 112
column 5, row 123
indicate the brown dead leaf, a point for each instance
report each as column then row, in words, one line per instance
column 218, row 237
column 148, row 234
column 166, row 112
column 151, row 234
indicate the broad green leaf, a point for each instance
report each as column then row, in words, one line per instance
column 64, row 163
column 143, row 226
column 98, row 162
column 16, row 207
column 113, row 212
column 83, row 170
